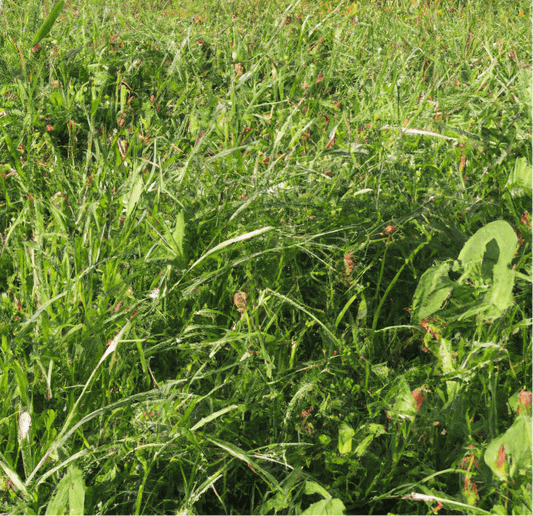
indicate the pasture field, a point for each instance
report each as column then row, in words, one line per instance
column 263, row 257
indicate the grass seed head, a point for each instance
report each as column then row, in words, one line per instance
column 419, row 398
column 240, row 300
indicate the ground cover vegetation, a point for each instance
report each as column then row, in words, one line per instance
column 265, row 257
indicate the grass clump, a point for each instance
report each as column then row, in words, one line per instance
column 262, row 257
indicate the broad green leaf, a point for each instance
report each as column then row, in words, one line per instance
column 493, row 261
column 346, row 432
column 314, row 488
column 512, row 450
column 70, row 494
column 362, row 311
column 448, row 365
column 446, row 356
column 329, row 506
column 325, row 439
column 76, row 492
column 500, row 509
column 404, row 403
column 433, row 289
column 59, row 503
column 486, row 283
column 178, row 234
column 135, row 194
column 373, row 430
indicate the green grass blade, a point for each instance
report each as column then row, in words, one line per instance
column 231, row 241
column 46, row 27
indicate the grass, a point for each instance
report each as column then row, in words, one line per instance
column 261, row 257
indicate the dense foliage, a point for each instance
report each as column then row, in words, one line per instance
column 261, row 257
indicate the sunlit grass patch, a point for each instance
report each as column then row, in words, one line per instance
column 265, row 257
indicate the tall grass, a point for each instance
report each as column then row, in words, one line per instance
column 265, row 257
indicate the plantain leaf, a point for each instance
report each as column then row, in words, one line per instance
column 70, row 494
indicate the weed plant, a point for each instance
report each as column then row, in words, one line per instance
column 264, row 257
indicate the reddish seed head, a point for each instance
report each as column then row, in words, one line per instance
column 419, row 398
column 240, row 300
column 525, row 399
column 348, row 263
column 470, row 485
